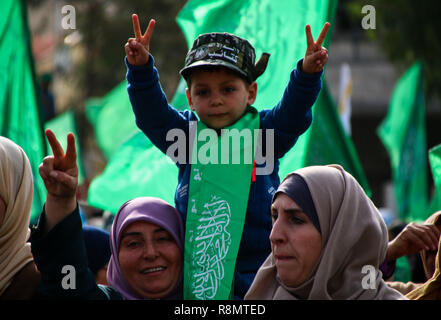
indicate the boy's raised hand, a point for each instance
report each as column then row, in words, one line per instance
column 138, row 48
column 315, row 56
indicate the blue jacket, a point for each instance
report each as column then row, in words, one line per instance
column 289, row 118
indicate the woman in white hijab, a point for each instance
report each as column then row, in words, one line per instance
column 328, row 240
column 19, row 276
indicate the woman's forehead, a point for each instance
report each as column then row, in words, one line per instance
column 142, row 226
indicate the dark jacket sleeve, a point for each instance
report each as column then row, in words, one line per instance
column 61, row 258
column 153, row 114
column 292, row 116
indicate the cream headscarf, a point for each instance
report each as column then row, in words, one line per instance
column 16, row 190
column 353, row 235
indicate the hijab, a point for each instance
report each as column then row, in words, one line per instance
column 148, row 209
column 353, row 233
column 16, row 190
column 431, row 289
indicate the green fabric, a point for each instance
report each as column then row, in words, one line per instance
column 325, row 141
column 217, row 203
column 277, row 27
column 61, row 126
column 402, row 271
column 403, row 133
column 435, row 165
column 112, row 118
column 137, row 169
column 20, row 118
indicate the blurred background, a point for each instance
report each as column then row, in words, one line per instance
column 77, row 67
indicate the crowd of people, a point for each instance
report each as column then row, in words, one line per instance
column 318, row 236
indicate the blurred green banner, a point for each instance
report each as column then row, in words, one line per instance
column 403, row 133
column 325, row 142
column 435, row 165
column 112, row 118
column 20, row 118
column 137, row 169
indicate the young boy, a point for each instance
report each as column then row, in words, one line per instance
column 220, row 71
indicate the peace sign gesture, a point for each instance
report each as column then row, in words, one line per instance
column 315, row 56
column 59, row 171
column 60, row 176
column 138, row 48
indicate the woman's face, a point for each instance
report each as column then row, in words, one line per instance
column 296, row 244
column 150, row 259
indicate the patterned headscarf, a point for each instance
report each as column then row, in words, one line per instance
column 148, row 209
column 16, row 190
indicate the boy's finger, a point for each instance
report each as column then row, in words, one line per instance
column 136, row 26
column 309, row 38
column 57, row 150
column 149, row 32
column 71, row 152
column 316, row 55
column 322, row 35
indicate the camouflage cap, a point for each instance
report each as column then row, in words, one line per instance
column 223, row 49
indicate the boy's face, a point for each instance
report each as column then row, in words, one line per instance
column 219, row 97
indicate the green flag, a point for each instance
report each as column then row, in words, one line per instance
column 112, row 118
column 325, row 142
column 61, row 126
column 403, row 133
column 136, row 169
column 135, row 166
column 435, row 165
column 19, row 101
column 278, row 27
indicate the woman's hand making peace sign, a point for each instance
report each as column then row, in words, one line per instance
column 60, row 176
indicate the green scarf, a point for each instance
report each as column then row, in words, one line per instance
column 217, row 203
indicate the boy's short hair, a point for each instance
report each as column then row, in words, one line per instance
column 224, row 50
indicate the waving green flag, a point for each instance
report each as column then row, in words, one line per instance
column 435, row 165
column 278, row 27
column 19, row 101
column 325, row 142
column 136, row 169
column 403, row 133
column 112, row 118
